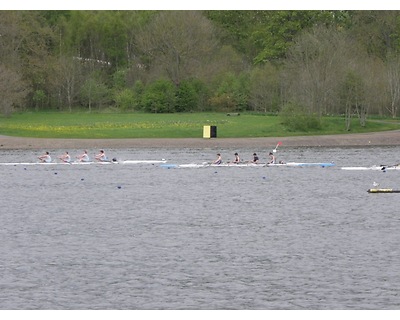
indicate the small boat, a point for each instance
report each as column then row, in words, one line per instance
column 206, row 165
column 53, row 163
column 83, row 163
column 142, row 161
column 383, row 191
column 250, row 164
column 302, row 164
column 376, row 168
column 253, row 165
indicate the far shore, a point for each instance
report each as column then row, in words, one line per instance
column 387, row 138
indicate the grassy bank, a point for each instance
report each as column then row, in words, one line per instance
column 139, row 125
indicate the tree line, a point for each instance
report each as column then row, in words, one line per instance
column 300, row 64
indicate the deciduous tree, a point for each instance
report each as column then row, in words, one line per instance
column 177, row 44
column 12, row 90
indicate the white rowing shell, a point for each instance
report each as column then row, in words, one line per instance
column 302, row 164
column 82, row 163
column 142, row 161
column 289, row 164
column 379, row 168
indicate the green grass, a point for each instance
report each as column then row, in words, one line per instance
column 187, row 125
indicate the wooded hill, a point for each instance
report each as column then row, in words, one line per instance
column 296, row 63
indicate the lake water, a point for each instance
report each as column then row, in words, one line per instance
column 146, row 237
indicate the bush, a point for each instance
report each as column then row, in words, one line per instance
column 187, row 99
column 125, row 99
column 296, row 118
column 159, row 97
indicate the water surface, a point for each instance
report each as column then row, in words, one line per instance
column 146, row 237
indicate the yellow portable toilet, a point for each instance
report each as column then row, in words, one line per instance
column 206, row 132
column 209, row 132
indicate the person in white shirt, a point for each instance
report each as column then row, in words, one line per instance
column 65, row 157
column 101, row 156
column 272, row 158
column 83, row 157
column 45, row 158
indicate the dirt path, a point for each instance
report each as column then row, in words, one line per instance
column 388, row 138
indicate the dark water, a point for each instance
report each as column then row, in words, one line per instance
column 146, row 237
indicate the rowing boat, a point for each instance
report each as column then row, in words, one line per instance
column 83, row 163
column 143, row 161
column 302, row 164
column 205, row 165
column 383, row 191
column 49, row 163
column 378, row 168
column 254, row 165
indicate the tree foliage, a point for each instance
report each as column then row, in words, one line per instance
column 320, row 62
column 12, row 90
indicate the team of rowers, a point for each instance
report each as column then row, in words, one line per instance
column 271, row 160
column 101, row 157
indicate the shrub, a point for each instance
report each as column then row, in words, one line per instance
column 159, row 97
column 125, row 99
column 296, row 118
column 187, row 99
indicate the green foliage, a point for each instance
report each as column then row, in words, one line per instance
column 103, row 36
column 265, row 88
column 231, row 93
column 377, row 31
column 266, row 35
column 125, row 99
column 187, row 99
column 283, row 26
column 295, row 118
column 159, row 97
column 119, row 79
column 39, row 97
column 223, row 101
column 58, row 52
column 94, row 93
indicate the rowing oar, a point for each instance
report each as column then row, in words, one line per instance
column 279, row 143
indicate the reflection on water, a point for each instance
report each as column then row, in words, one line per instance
column 146, row 237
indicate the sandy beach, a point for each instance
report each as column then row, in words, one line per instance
column 388, row 138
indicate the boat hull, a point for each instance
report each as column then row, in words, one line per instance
column 82, row 163
column 142, row 161
column 195, row 165
column 253, row 165
column 373, row 168
column 383, row 191
column 302, row 164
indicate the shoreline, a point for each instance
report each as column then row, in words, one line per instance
column 386, row 138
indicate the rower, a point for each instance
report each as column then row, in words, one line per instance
column 45, row 158
column 65, row 157
column 101, row 156
column 255, row 158
column 83, row 157
column 219, row 159
column 237, row 158
column 272, row 158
